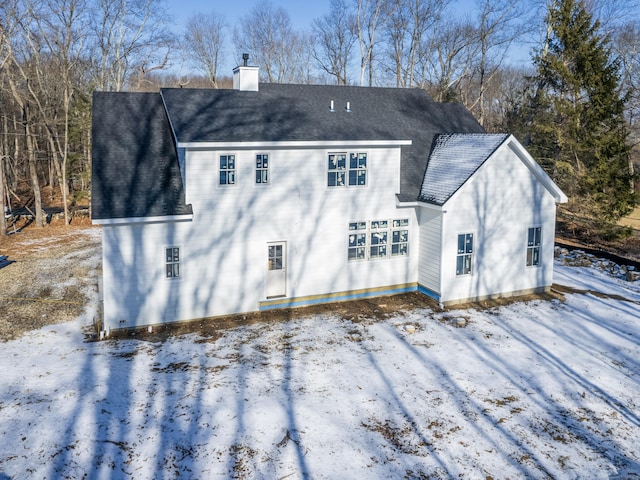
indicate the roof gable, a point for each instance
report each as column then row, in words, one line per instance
column 135, row 171
column 455, row 158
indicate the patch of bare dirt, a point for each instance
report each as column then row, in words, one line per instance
column 370, row 309
column 52, row 270
column 632, row 220
column 54, row 266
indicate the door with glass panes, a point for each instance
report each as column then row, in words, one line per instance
column 276, row 269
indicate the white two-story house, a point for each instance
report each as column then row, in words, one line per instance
column 216, row 202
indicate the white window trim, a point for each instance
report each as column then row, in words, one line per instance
column 365, row 169
column 363, row 231
column 392, row 229
column 235, row 170
column 472, row 254
column 368, row 231
column 347, row 153
column 180, row 262
column 268, row 169
column 527, row 247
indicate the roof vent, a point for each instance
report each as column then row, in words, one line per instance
column 332, row 106
column 348, row 107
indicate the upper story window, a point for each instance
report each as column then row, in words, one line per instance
column 534, row 239
column 340, row 174
column 227, row 169
column 337, row 169
column 262, row 168
column 172, row 262
column 464, row 259
column 358, row 169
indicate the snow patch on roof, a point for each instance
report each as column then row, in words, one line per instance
column 454, row 158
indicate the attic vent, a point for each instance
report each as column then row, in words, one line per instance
column 348, row 107
column 332, row 107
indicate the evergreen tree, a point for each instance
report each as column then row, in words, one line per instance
column 575, row 126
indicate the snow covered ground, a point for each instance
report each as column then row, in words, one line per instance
column 530, row 390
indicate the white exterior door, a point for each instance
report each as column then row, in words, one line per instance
column 276, row 269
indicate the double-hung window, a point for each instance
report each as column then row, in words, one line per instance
column 337, row 169
column 262, row 168
column 400, row 237
column 464, row 259
column 357, row 169
column 357, row 241
column 378, row 239
column 342, row 174
column 172, row 262
column 227, row 169
column 534, row 235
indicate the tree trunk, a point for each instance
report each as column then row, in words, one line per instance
column 65, row 187
column 33, row 173
column 3, row 220
column 4, row 153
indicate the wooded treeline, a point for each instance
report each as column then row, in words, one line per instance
column 562, row 75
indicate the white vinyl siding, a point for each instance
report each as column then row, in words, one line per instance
column 498, row 204
column 225, row 269
column 430, row 247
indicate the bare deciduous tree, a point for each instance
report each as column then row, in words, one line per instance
column 267, row 35
column 203, row 43
column 498, row 24
column 13, row 21
column 408, row 29
column 130, row 35
column 334, row 39
column 369, row 17
column 448, row 61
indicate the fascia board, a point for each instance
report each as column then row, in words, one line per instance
column 295, row 144
column 141, row 220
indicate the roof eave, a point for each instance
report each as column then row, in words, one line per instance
column 295, row 144
column 143, row 220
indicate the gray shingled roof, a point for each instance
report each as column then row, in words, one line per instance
column 454, row 158
column 135, row 170
column 280, row 112
column 135, row 166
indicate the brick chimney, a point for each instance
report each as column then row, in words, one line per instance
column 245, row 77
